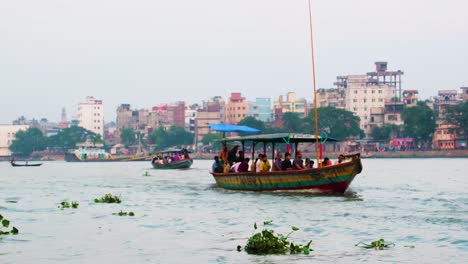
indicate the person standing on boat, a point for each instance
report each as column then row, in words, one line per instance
column 265, row 165
column 297, row 163
column 286, row 164
column 278, row 161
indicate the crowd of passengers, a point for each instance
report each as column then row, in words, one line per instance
column 234, row 161
column 161, row 159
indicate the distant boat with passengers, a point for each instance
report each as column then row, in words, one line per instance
column 172, row 159
column 91, row 152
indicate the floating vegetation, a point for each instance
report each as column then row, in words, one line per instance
column 266, row 242
column 66, row 204
column 146, row 174
column 410, row 246
column 108, row 198
column 377, row 244
column 122, row 213
column 6, row 224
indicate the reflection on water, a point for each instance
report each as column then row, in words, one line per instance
column 183, row 217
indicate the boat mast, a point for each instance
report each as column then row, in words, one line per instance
column 317, row 143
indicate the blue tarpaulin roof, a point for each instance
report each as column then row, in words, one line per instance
column 223, row 127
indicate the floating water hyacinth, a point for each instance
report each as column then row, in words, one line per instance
column 266, row 242
column 66, row 204
column 122, row 213
column 6, row 224
column 377, row 244
column 108, row 198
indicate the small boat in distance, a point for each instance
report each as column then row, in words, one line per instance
column 26, row 164
column 330, row 179
column 172, row 159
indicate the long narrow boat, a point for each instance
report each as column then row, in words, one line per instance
column 14, row 164
column 331, row 179
column 164, row 161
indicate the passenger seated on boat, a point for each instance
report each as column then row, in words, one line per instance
column 297, row 163
column 327, row 162
column 309, row 164
column 265, row 164
column 340, row 159
column 278, row 160
column 286, row 164
column 255, row 167
column 235, row 167
column 175, row 157
column 217, row 165
column 244, row 166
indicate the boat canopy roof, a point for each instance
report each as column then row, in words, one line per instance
column 172, row 151
column 278, row 138
column 224, row 127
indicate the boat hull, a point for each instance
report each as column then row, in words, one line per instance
column 26, row 165
column 182, row 164
column 71, row 157
column 330, row 179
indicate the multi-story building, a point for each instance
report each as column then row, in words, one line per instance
column 464, row 95
column 7, row 135
column 261, row 109
column 362, row 96
column 236, row 109
column 211, row 112
column 333, row 97
column 124, row 116
column 444, row 99
column 445, row 137
column 410, row 97
column 291, row 104
column 190, row 117
column 91, row 115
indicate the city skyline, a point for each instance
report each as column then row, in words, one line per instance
column 55, row 54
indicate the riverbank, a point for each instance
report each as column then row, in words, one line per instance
column 458, row 153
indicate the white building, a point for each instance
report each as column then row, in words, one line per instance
column 91, row 115
column 7, row 135
column 361, row 96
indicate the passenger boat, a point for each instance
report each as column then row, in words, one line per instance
column 91, row 152
column 331, row 179
column 164, row 161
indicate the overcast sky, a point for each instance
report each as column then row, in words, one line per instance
column 53, row 53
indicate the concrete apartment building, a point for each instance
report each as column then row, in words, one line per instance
column 211, row 112
column 291, row 104
column 236, row 108
column 91, row 115
column 7, row 135
column 333, row 97
column 260, row 109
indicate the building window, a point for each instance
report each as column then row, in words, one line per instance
column 380, row 100
column 365, row 108
column 355, row 108
column 373, row 91
column 380, row 91
column 373, row 99
column 365, row 117
column 365, row 91
column 365, row 100
column 355, row 91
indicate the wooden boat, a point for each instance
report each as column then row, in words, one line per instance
column 331, row 179
column 163, row 160
column 14, row 164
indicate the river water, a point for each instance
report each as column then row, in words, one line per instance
column 182, row 217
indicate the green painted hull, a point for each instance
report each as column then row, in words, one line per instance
column 183, row 164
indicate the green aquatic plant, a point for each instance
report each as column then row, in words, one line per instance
column 122, row 213
column 266, row 242
column 377, row 244
column 146, row 174
column 66, row 204
column 108, row 198
column 6, row 224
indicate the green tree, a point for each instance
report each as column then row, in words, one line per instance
column 458, row 115
column 385, row 132
column 292, row 122
column 176, row 136
column 336, row 123
column 127, row 136
column 252, row 122
column 419, row 122
column 69, row 137
column 211, row 139
column 28, row 141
